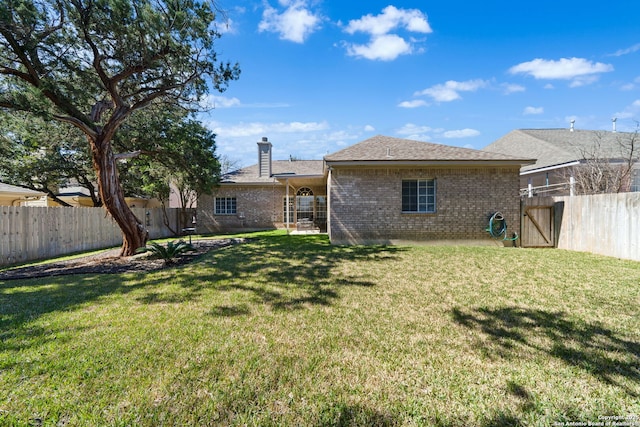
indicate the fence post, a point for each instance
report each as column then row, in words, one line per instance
column 572, row 185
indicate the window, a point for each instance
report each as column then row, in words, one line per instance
column 419, row 195
column 304, row 204
column 321, row 208
column 225, row 205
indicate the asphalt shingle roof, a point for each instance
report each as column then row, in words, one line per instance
column 297, row 167
column 552, row 147
column 376, row 149
column 385, row 148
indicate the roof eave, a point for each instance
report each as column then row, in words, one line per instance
column 515, row 162
column 250, row 183
column 293, row 175
column 549, row 168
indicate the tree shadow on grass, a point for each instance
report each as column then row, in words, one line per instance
column 590, row 347
column 230, row 310
column 343, row 415
column 291, row 272
column 24, row 301
column 286, row 272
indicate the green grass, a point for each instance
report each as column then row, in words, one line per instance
column 289, row 330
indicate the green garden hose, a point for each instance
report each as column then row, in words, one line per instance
column 498, row 227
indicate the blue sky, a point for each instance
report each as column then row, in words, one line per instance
column 320, row 75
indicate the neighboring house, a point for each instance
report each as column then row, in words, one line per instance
column 78, row 196
column 381, row 190
column 11, row 195
column 560, row 152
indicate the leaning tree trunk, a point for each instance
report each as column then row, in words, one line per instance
column 134, row 233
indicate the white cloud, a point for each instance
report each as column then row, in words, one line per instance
column 583, row 81
column 226, row 26
column 510, row 88
column 579, row 70
column 413, row 104
column 533, row 110
column 383, row 44
column 417, row 132
column 209, row 102
column 450, row 91
column 384, row 48
column 410, row 128
column 630, row 111
column 461, row 133
column 391, row 18
column 213, row 101
column 427, row 133
column 632, row 49
column 369, row 128
column 632, row 85
column 262, row 129
column 295, row 23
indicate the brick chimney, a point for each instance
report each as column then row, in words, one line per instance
column 264, row 157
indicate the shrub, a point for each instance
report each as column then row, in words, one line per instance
column 170, row 252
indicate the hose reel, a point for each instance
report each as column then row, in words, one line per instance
column 498, row 227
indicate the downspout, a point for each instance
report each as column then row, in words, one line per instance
column 286, row 213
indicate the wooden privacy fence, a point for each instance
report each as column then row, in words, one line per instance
column 605, row 224
column 31, row 233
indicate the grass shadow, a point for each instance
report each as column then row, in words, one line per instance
column 588, row 346
column 342, row 415
column 230, row 311
column 291, row 272
column 286, row 272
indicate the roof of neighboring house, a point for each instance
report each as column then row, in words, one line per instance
column 388, row 149
column 20, row 191
column 249, row 175
column 559, row 147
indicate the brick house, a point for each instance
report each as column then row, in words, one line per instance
column 381, row 190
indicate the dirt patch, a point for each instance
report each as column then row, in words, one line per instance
column 108, row 262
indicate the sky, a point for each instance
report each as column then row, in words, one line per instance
column 320, row 75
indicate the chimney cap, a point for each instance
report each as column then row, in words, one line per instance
column 265, row 139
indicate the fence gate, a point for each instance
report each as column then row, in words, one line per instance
column 538, row 229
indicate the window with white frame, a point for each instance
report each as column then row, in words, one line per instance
column 225, row 206
column 419, row 195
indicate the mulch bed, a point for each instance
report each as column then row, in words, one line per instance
column 108, row 262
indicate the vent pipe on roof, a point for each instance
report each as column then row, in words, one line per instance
column 613, row 124
column 573, row 122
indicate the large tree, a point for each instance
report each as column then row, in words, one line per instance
column 179, row 156
column 93, row 63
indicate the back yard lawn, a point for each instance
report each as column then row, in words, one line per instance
column 289, row 330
